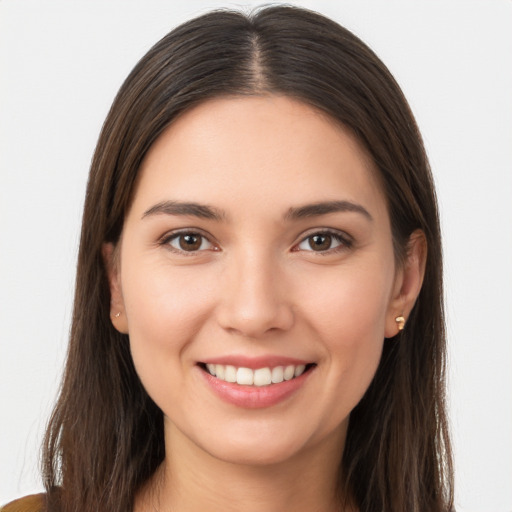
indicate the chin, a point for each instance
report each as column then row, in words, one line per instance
column 255, row 454
column 270, row 445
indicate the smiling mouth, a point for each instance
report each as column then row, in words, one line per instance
column 258, row 377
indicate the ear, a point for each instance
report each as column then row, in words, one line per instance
column 408, row 281
column 117, row 309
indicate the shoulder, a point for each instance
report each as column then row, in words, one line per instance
column 32, row 503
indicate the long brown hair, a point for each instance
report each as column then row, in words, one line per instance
column 105, row 437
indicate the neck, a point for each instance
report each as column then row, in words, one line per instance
column 192, row 480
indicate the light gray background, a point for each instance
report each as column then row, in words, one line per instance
column 61, row 64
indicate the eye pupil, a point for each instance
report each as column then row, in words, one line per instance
column 320, row 242
column 189, row 242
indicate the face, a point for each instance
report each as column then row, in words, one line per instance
column 256, row 278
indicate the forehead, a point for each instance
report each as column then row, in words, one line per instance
column 271, row 148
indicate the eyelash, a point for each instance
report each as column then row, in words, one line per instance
column 345, row 242
column 169, row 237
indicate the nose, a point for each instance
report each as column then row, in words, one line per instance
column 254, row 298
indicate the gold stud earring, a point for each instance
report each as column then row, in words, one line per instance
column 400, row 321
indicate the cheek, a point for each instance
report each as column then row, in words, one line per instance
column 348, row 317
column 165, row 310
column 164, row 302
column 350, row 304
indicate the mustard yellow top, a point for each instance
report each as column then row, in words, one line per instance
column 32, row 503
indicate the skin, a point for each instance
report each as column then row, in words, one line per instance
column 255, row 286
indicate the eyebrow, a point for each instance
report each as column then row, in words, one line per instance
column 324, row 208
column 202, row 211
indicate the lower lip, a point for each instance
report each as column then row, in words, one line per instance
column 255, row 397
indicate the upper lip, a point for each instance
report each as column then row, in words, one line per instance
column 270, row 361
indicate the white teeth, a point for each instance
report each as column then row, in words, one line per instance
column 259, row 377
column 262, row 377
column 299, row 370
column 230, row 374
column 289, row 372
column 220, row 370
column 245, row 376
column 277, row 375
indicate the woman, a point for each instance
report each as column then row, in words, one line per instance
column 258, row 316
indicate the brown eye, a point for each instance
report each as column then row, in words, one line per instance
column 189, row 242
column 320, row 242
column 324, row 242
